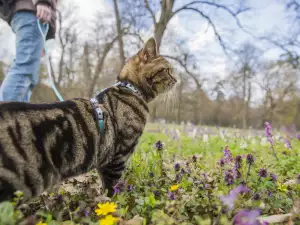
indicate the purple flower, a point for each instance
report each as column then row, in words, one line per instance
column 231, row 197
column 227, row 154
column 129, row 187
column 256, row 196
column 273, row 177
column 182, row 171
column 178, row 178
column 171, row 195
column 159, row 146
column 246, row 217
column 298, row 179
column 151, row 174
column 177, row 167
column 236, row 173
column 250, row 159
column 268, row 130
column 269, row 193
column 221, row 162
column 86, row 213
column 59, row 198
column 298, row 136
column 228, row 178
column 287, row 144
column 238, row 162
column 156, row 193
column 119, row 187
column 263, row 173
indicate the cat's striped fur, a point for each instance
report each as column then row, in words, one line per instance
column 43, row 144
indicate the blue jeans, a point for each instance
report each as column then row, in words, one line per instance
column 24, row 72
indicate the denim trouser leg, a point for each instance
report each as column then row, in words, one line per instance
column 24, row 72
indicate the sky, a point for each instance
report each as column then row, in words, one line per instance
column 264, row 18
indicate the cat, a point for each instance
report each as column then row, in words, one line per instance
column 41, row 145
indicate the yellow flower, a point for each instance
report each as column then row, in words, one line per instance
column 282, row 187
column 41, row 223
column 108, row 220
column 106, row 208
column 174, row 187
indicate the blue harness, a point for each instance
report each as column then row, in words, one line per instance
column 96, row 104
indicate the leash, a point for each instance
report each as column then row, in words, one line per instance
column 44, row 34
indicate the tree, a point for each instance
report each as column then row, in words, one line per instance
column 247, row 63
column 120, row 33
column 279, row 85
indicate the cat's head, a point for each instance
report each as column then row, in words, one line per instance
column 148, row 71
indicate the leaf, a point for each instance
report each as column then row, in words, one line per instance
column 6, row 213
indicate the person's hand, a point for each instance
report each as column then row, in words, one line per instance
column 43, row 13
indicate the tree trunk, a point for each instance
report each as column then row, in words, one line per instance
column 244, row 119
column 166, row 15
column 178, row 115
column 120, row 33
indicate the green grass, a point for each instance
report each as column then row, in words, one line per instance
column 201, row 182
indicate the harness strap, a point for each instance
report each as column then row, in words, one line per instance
column 99, row 114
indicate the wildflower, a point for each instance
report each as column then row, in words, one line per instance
column 194, row 158
column 182, row 171
column 221, row 162
column 171, row 195
column 41, row 223
column 227, row 154
column 250, row 159
column 268, row 130
column 159, row 146
column 177, row 167
column 156, row 193
column 287, row 144
column 129, row 187
column 151, row 174
column 273, row 177
column 246, row 217
column 298, row 179
column 298, row 136
column 238, row 162
column 256, row 196
column 108, row 220
column 106, row 208
column 119, row 187
column 174, row 187
column 228, row 177
column 263, row 173
column 236, row 174
column 86, row 213
column 178, row 178
column 269, row 193
column 231, row 197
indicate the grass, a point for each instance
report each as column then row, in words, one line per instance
column 190, row 158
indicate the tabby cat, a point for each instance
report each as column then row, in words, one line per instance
column 44, row 144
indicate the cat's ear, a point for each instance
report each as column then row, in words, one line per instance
column 149, row 51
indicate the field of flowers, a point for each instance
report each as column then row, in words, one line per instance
column 183, row 175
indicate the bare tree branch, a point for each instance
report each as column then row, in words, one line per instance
column 150, row 11
column 225, row 8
